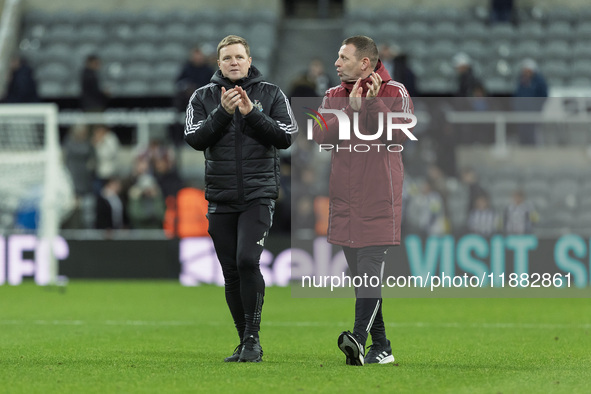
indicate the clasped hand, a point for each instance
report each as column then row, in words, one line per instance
column 236, row 97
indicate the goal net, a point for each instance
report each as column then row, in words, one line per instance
column 36, row 192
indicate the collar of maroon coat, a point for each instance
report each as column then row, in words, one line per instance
column 382, row 72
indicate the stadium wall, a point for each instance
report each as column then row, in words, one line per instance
column 193, row 261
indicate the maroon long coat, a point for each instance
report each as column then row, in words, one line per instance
column 365, row 187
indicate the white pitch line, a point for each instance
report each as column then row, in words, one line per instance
column 293, row 324
column 440, row 325
column 148, row 323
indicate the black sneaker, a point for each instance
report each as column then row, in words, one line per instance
column 351, row 346
column 235, row 356
column 251, row 350
column 379, row 354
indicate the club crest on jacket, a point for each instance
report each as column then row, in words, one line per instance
column 257, row 104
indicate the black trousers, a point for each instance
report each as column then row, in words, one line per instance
column 239, row 238
column 368, row 261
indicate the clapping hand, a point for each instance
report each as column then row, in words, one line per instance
column 230, row 99
column 245, row 105
column 236, row 98
column 373, row 89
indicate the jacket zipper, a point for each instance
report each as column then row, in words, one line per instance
column 238, row 146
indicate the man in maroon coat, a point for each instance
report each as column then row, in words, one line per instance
column 365, row 182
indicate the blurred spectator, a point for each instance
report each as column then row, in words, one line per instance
column 438, row 182
column 110, row 214
column 321, row 214
column 93, row 98
column 167, row 177
column 445, row 138
column 196, row 72
column 467, row 81
column 304, row 192
column 478, row 101
column 475, row 190
column 27, row 213
column 437, row 179
column 519, row 215
column 140, row 168
column 289, row 7
column 186, row 214
column 80, row 159
column 145, row 204
column 478, row 98
column 501, row 11
column 21, row 87
column 314, row 82
column 396, row 62
column 155, row 151
column 482, row 219
column 160, row 161
column 531, row 84
column 106, row 146
column 387, row 57
column 301, row 156
column 431, row 211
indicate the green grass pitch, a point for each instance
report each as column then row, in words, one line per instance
column 159, row 337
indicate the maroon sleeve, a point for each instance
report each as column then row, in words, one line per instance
column 393, row 97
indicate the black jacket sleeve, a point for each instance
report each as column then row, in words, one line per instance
column 279, row 128
column 203, row 130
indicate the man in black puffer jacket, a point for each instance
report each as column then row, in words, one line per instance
column 240, row 121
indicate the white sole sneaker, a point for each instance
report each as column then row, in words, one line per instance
column 387, row 360
column 352, row 349
column 380, row 354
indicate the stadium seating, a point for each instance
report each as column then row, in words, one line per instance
column 559, row 195
column 557, row 37
column 554, row 37
column 142, row 52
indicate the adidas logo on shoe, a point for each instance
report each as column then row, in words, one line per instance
column 379, row 354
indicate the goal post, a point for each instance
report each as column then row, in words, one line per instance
column 35, row 190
